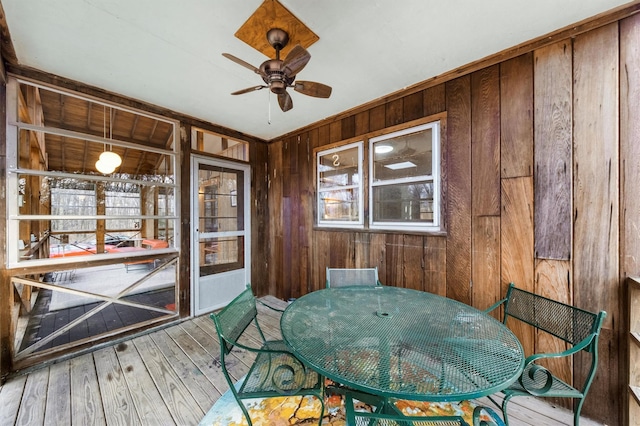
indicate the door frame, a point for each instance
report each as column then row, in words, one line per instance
column 196, row 160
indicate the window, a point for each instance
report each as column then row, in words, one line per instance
column 59, row 205
column 339, row 177
column 213, row 143
column 405, row 179
column 403, row 191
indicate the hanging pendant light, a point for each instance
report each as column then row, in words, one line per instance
column 109, row 160
column 104, row 167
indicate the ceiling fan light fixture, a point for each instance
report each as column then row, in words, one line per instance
column 278, row 87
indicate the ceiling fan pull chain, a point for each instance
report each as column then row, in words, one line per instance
column 110, row 128
column 104, row 127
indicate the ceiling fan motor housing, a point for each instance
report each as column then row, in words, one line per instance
column 274, row 75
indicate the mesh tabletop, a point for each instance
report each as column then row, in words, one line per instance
column 402, row 343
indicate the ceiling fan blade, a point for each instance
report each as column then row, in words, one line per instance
column 243, row 63
column 285, row 101
column 296, row 60
column 311, row 88
column 248, row 89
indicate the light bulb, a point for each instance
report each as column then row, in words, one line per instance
column 111, row 158
column 104, row 167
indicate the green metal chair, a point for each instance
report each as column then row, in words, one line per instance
column 275, row 371
column 577, row 327
column 387, row 415
column 342, row 277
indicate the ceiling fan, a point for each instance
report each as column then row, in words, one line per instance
column 280, row 74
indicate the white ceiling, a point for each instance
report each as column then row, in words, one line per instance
column 169, row 52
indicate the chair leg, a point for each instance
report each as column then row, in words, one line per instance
column 504, row 409
column 321, row 407
column 232, row 389
column 246, row 413
column 576, row 414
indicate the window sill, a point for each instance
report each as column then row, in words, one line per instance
column 434, row 233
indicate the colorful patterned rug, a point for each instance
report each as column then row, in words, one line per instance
column 303, row 411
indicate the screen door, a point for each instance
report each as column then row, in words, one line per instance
column 221, row 237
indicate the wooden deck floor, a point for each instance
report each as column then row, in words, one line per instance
column 169, row 376
column 43, row 321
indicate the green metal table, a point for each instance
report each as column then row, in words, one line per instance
column 400, row 343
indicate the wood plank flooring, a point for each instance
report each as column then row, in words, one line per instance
column 166, row 377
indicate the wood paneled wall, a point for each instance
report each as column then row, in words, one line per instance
column 541, row 182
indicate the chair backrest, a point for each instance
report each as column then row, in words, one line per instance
column 388, row 414
column 368, row 419
column 234, row 319
column 342, row 277
column 573, row 325
column 356, row 418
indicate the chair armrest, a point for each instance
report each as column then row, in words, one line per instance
column 494, row 306
column 541, row 375
column 479, row 410
column 532, row 369
column 572, row 350
column 263, row 349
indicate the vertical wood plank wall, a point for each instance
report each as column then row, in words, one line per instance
column 596, row 165
column 629, row 162
column 553, row 173
column 541, row 183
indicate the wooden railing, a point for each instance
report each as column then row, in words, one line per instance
column 39, row 249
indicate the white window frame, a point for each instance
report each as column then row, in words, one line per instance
column 14, row 125
column 435, row 226
column 360, row 187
